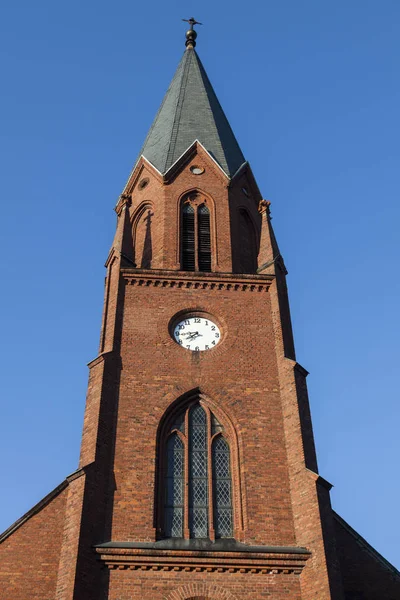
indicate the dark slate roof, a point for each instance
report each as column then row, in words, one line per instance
column 190, row 111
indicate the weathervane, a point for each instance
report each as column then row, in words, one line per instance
column 191, row 34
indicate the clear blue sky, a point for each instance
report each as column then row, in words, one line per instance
column 312, row 92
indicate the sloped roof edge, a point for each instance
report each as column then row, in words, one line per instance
column 363, row 542
column 40, row 505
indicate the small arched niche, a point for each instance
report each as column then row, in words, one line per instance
column 247, row 244
column 142, row 237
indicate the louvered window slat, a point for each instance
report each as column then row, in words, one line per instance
column 188, row 242
column 204, row 239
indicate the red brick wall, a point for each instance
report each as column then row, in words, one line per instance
column 29, row 557
column 365, row 574
column 126, row 585
column 247, row 377
column 240, row 376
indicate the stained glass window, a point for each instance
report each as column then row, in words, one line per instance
column 198, row 480
column 174, row 487
column 222, row 488
column 193, row 441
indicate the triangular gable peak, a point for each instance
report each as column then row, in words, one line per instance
column 196, row 148
column 139, row 170
column 144, row 165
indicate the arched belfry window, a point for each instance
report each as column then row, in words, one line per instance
column 195, row 234
column 197, row 484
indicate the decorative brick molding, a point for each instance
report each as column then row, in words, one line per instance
column 268, row 563
column 200, row 281
column 198, row 591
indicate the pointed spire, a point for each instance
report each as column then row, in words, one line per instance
column 191, row 111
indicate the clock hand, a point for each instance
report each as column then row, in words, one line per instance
column 190, row 334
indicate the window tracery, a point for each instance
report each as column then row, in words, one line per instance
column 197, row 477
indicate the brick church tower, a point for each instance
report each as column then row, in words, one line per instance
column 198, row 475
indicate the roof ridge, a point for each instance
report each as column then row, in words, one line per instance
column 209, row 88
column 178, row 111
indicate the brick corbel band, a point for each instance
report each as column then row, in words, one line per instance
column 292, row 561
column 213, row 281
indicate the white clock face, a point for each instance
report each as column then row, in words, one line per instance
column 197, row 333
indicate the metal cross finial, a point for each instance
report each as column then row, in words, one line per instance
column 191, row 35
column 192, row 21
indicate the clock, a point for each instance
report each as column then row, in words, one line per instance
column 196, row 333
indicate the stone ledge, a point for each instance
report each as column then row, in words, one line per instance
column 268, row 562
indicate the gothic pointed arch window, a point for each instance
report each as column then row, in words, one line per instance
column 196, row 482
column 195, row 234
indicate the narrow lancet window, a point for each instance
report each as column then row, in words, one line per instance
column 204, row 238
column 222, row 489
column 174, row 489
column 188, row 241
column 198, row 480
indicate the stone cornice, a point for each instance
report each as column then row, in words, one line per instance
column 144, row 559
column 194, row 280
column 100, row 358
column 301, row 369
column 320, row 480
